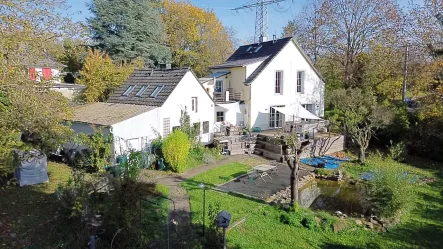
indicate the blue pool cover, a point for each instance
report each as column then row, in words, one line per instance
column 329, row 161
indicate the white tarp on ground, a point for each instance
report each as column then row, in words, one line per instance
column 296, row 111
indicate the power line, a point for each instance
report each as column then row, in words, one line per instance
column 261, row 16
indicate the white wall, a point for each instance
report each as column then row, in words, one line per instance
column 54, row 71
column 181, row 97
column 209, row 87
column 136, row 132
column 289, row 60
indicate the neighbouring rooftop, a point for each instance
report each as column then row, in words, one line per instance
column 107, row 113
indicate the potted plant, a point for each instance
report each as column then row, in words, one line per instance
column 245, row 130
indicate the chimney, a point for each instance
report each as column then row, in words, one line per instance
column 263, row 39
column 274, row 38
column 165, row 66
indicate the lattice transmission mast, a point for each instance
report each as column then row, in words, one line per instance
column 261, row 17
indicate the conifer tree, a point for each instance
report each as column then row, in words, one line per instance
column 128, row 29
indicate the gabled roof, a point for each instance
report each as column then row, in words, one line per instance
column 150, row 79
column 107, row 113
column 266, row 52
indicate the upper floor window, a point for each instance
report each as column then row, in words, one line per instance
column 279, row 82
column 141, row 91
column 156, row 91
column 300, row 81
column 194, row 104
column 218, row 86
column 129, row 90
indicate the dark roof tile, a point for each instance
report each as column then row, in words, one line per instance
column 152, row 78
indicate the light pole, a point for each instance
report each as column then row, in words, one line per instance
column 202, row 185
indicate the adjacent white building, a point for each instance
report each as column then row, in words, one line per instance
column 49, row 70
column 148, row 105
column 261, row 81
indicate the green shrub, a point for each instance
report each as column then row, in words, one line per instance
column 156, row 147
column 208, row 157
column 309, row 222
column 175, row 150
column 323, row 172
column 398, row 151
column 391, row 189
column 293, row 217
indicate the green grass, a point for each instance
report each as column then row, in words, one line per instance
column 420, row 228
column 25, row 208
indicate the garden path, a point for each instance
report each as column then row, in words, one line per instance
column 182, row 214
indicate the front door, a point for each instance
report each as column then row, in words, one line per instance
column 276, row 118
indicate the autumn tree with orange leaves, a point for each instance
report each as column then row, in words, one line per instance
column 195, row 36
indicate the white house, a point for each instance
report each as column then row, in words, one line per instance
column 147, row 105
column 261, row 81
column 50, row 70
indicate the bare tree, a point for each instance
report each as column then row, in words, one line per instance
column 321, row 145
column 356, row 23
column 293, row 148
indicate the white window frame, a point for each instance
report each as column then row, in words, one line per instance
column 194, row 104
column 219, row 89
column 129, row 90
column 278, row 84
column 300, row 82
column 166, row 126
column 156, row 91
column 205, row 124
column 222, row 116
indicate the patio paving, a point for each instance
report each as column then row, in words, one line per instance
column 262, row 189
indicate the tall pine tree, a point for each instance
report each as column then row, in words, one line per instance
column 128, row 29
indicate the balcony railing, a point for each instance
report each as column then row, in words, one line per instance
column 227, row 96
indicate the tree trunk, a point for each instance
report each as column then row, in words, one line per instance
column 362, row 156
column 293, row 187
column 294, row 184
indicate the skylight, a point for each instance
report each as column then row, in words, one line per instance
column 258, row 48
column 156, row 91
column 250, row 47
column 129, row 90
column 141, row 91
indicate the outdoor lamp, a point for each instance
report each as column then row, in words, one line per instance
column 202, row 185
column 223, row 219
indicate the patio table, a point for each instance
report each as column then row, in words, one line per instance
column 263, row 170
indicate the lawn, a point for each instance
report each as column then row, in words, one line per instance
column 25, row 212
column 420, row 228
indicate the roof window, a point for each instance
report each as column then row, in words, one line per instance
column 141, row 91
column 156, row 91
column 249, row 49
column 129, row 90
column 258, row 48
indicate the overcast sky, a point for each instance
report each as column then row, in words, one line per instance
column 242, row 21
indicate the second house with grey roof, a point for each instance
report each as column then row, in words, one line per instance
column 265, row 85
column 147, row 105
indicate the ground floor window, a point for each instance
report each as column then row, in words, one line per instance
column 197, row 127
column 205, row 127
column 276, row 118
column 220, row 116
column 166, row 126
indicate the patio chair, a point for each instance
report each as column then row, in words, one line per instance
column 252, row 176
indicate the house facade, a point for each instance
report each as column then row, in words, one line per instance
column 258, row 77
column 149, row 104
column 51, row 71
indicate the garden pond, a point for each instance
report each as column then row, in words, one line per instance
column 334, row 196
